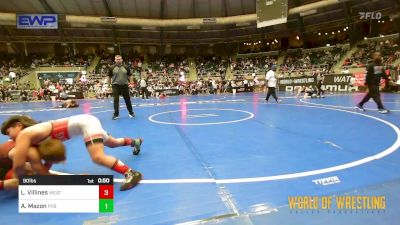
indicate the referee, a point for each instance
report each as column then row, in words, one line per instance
column 375, row 72
column 118, row 76
column 270, row 80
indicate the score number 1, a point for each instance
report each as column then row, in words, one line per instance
column 106, row 198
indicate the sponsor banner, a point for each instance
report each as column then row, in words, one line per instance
column 333, row 83
column 108, row 19
column 37, row 21
column 360, row 79
column 173, row 91
column 75, row 95
column 56, row 76
column 209, row 20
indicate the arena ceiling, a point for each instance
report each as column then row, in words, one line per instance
column 331, row 16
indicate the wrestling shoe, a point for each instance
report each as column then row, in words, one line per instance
column 132, row 178
column 136, row 143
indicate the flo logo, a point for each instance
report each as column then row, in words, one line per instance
column 370, row 15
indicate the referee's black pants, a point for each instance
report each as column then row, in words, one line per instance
column 373, row 92
column 271, row 91
column 123, row 90
column 319, row 88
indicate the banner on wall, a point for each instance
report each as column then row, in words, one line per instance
column 37, row 21
column 333, row 83
column 360, row 78
column 56, row 76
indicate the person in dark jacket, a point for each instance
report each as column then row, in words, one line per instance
column 375, row 71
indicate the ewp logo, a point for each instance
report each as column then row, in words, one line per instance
column 370, row 15
column 37, row 21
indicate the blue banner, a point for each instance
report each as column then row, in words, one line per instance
column 37, row 21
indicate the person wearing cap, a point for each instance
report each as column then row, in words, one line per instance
column 63, row 129
column 270, row 80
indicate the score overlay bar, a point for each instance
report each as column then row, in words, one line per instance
column 66, row 194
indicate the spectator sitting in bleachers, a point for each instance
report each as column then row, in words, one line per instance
column 249, row 65
column 211, row 65
column 389, row 48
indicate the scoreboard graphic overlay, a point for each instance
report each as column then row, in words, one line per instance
column 66, row 194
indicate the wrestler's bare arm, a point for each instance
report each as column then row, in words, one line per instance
column 29, row 136
column 20, row 151
column 36, row 162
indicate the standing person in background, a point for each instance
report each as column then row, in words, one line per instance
column 143, row 88
column 246, row 85
column 255, row 82
column 24, row 95
column 214, row 86
column 375, row 71
column 320, row 80
column 13, row 76
column 34, row 95
column 233, row 86
column 118, row 77
column 8, row 94
column 182, row 78
column 3, row 94
column 398, row 78
column 270, row 80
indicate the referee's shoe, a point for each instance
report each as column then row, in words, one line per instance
column 359, row 107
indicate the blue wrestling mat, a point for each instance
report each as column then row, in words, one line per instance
column 225, row 159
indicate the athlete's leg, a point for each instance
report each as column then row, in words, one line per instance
column 9, row 184
column 135, row 143
column 96, row 151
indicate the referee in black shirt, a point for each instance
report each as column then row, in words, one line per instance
column 375, row 72
column 118, row 77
